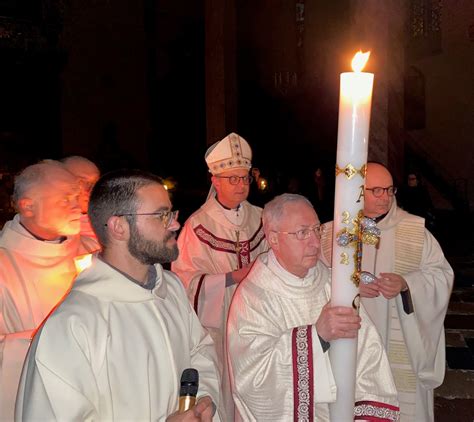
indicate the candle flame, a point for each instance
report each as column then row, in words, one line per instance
column 83, row 262
column 360, row 60
column 169, row 184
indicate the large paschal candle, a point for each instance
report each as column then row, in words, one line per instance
column 352, row 145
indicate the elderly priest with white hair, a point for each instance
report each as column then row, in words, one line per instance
column 37, row 251
column 88, row 174
column 281, row 324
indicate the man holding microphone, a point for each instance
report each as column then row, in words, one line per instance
column 117, row 345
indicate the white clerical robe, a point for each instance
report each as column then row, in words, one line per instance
column 215, row 241
column 279, row 369
column 114, row 350
column 34, row 276
column 414, row 341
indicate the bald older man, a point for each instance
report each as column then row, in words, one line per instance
column 88, row 174
column 37, row 251
column 409, row 297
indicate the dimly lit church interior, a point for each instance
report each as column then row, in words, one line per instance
column 153, row 85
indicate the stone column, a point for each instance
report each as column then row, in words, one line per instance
column 220, row 79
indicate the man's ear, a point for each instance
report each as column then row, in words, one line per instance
column 26, row 207
column 118, row 228
column 215, row 181
column 272, row 239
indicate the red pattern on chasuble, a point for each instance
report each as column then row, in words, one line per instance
column 303, row 393
column 242, row 248
column 227, row 246
column 376, row 411
column 196, row 296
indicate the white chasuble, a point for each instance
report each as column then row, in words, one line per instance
column 114, row 350
column 34, row 277
column 215, row 241
column 279, row 369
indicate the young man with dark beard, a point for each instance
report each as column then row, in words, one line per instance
column 116, row 347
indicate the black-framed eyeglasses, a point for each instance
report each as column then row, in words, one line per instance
column 234, row 180
column 378, row 191
column 304, row 234
column 166, row 217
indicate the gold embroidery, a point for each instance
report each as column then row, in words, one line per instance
column 350, row 171
column 345, row 217
column 344, row 258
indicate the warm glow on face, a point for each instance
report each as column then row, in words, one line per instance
column 83, row 262
column 359, row 61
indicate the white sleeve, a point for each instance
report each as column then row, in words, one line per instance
column 204, row 359
column 430, row 288
column 13, row 349
column 58, row 383
column 205, row 288
column 210, row 302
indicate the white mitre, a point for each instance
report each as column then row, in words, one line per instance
column 232, row 152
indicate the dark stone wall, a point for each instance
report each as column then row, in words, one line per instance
column 104, row 101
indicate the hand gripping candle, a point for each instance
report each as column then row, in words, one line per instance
column 352, row 144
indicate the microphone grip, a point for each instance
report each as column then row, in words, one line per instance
column 186, row 402
column 188, row 390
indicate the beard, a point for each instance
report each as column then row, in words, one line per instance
column 149, row 252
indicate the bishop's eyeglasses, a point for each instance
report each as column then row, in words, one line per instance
column 378, row 191
column 305, row 233
column 234, row 180
column 166, row 217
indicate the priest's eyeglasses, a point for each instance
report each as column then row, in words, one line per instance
column 304, row 234
column 378, row 191
column 166, row 217
column 234, row 180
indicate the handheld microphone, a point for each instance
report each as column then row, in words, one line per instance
column 189, row 389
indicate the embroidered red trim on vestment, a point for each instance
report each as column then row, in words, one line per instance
column 242, row 248
column 375, row 411
column 198, row 290
column 303, row 393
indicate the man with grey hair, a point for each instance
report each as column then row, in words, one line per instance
column 219, row 242
column 37, row 251
column 117, row 345
column 281, row 324
column 88, row 174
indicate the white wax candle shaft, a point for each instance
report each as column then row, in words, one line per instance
column 352, row 145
